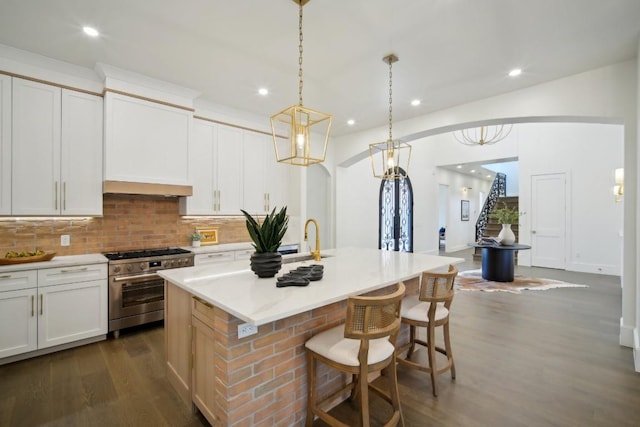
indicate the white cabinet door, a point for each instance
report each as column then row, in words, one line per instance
column 18, row 322
column 277, row 180
column 228, row 164
column 146, row 141
column 5, row 145
column 81, row 154
column 266, row 181
column 35, row 148
column 71, row 312
column 255, row 190
column 201, row 171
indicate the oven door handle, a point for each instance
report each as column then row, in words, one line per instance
column 136, row 278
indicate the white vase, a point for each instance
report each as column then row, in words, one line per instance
column 195, row 243
column 506, row 235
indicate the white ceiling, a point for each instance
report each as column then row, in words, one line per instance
column 451, row 51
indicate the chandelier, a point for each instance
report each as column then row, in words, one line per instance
column 306, row 130
column 390, row 159
column 484, row 135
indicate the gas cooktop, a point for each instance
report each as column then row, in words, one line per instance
column 145, row 253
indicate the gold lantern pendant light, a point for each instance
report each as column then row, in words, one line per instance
column 306, row 130
column 390, row 158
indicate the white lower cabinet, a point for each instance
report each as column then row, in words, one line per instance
column 18, row 316
column 213, row 258
column 49, row 307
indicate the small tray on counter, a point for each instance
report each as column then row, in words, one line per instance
column 24, row 259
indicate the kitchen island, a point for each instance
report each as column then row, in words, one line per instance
column 260, row 379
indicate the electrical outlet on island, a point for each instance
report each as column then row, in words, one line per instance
column 246, row 329
column 65, row 240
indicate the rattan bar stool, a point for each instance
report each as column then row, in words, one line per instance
column 430, row 309
column 364, row 344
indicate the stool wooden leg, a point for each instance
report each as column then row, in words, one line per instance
column 447, row 346
column 363, row 391
column 393, row 388
column 431, row 340
column 412, row 341
column 311, row 388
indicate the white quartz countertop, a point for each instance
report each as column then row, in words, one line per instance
column 57, row 262
column 347, row 271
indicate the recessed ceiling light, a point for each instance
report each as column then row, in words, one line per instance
column 515, row 72
column 459, row 166
column 488, row 176
column 351, row 122
column 415, row 102
column 473, row 171
column 90, row 31
column 263, row 91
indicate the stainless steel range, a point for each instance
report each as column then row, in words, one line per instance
column 136, row 292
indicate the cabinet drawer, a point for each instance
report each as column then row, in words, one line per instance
column 74, row 274
column 203, row 311
column 16, row 280
column 213, row 258
column 244, row 254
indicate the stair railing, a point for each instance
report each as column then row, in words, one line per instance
column 498, row 189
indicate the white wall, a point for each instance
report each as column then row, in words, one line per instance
column 511, row 170
column 588, row 154
column 461, row 233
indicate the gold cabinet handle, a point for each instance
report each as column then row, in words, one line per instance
column 41, row 304
column 5, row 276
column 55, row 190
column 74, row 270
column 64, row 196
column 32, row 303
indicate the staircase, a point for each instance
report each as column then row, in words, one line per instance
column 493, row 227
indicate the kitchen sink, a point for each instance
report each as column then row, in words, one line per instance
column 301, row 257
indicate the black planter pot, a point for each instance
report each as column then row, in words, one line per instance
column 266, row 264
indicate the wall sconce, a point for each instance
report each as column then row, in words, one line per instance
column 465, row 189
column 618, row 189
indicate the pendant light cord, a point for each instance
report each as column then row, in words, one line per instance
column 300, row 57
column 390, row 99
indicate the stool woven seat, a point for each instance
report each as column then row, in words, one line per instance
column 364, row 344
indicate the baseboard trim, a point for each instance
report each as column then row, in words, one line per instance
column 636, row 351
column 628, row 335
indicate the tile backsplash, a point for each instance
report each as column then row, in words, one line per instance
column 128, row 222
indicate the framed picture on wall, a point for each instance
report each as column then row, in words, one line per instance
column 464, row 210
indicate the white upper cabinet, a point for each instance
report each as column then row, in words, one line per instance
column 146, row 142
column 81, row 154
column 265, row 180
column 56, row 151
column 228, row 164
column 5, row 145
column 35, row 173
column 215, row 165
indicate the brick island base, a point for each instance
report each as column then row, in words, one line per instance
column 259, row 380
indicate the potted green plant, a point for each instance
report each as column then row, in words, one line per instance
column 267, row 238
column 195, row 239
column 506, row 216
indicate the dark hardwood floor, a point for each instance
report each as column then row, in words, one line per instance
column 542, row 358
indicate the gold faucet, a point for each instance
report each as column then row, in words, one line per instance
column 316, row 253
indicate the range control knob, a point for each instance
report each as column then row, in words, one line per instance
column 142, row 265
column 116, row 269
column 168, row 263
column 129, row 267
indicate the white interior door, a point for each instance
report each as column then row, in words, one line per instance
column 548, row 220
